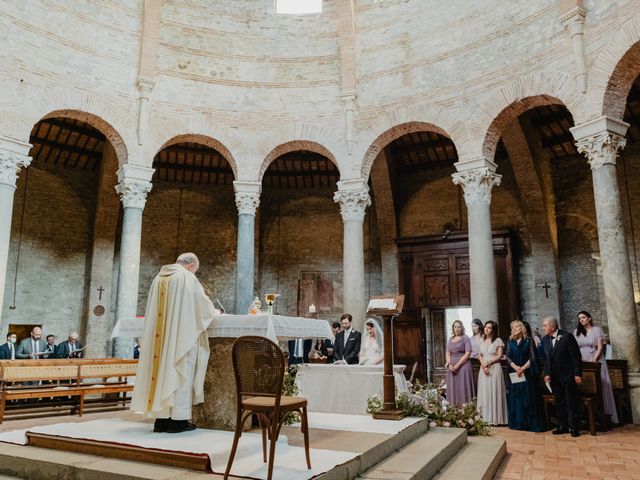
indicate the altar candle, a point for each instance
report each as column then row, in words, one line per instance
column 312, row 308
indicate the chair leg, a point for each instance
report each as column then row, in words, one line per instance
column 592, row 420
column 305, row 430
column 234, row 447
column 263, row 427
column 272, row 450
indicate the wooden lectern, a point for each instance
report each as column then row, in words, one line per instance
column 387, row 312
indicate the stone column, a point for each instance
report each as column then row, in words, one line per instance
column 247, row 200
column 13, row 157
column 353, row 197
column 600, row 140
column 477, row 178
column 133, row 187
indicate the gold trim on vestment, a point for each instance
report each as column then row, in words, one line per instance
column 159, row 333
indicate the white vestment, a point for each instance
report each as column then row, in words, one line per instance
column 176, row 346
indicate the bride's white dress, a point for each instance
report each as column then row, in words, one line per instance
column 370, row 353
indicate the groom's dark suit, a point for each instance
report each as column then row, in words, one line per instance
column 350, row 351
column 563, row 362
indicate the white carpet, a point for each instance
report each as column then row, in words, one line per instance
column 290, row 463
column 359, row 423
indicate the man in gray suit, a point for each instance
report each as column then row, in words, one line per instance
column 34, row 346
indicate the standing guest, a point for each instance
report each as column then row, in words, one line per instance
column 32, row 347
column 173, row 365
column 563, row 371
column 477, row 338
column 71, row 348
column 524, row 399
column 492, row 400
column 51, row 346
column 347, row 344
column 136, row 348
column 299, row 350
column 591, row 342
column 460, row 387
column 328, row 349
column 8, row 350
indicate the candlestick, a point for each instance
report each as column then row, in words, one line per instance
column 312, row 308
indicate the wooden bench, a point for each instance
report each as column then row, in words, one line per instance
column 619, row 375
column 65, row 378
column 589, row 395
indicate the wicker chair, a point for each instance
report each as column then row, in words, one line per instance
column 258, row 365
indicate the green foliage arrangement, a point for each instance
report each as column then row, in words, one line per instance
column 290, row 389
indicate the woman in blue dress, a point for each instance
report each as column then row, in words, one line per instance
column 524, row 399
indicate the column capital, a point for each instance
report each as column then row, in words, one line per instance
column 247, row 196
column 353, row 197
column 574, row 16
column 134, row 185
column 476, row 183
column 600, row 140
column 145, row 86
column 13, row 157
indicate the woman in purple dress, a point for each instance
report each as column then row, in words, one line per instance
column 590, row 340
column 460, row 387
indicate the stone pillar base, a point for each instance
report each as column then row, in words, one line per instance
column 634, row 386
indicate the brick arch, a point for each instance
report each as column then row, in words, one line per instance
column 614, row 71
column 293, row 146
column 107, row 117
column 520, row 95
column 579, row 223
column 198, row 130
column 394, row 124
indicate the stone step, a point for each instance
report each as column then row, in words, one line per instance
column 422, row 458
column 479, row 459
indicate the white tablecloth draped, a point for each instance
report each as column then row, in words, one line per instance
column 274, row 327
column 344, row 388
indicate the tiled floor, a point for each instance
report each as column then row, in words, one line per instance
column 613, row 455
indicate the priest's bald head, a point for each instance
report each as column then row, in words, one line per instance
column 189, row 261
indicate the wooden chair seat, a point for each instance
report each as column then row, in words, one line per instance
column 268, row 403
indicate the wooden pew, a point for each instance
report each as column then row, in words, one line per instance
column 66, row 378
column 619, row 375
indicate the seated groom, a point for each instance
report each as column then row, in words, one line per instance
column 347, row 342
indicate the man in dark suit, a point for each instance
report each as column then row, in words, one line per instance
column 51, row 346
column 347, row 344
column 328, row 349
column 563, row 370
column 8, row 350
column 72, row 348
column 299, row 350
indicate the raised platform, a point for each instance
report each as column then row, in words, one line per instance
column 343, row 447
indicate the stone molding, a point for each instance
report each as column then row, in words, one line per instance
column 353, row 204
column 247, row 202
column 601, row 148
column 10, row 165
column 477, row 184
column 133, row 193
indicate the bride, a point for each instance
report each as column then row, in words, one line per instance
column 372, row 351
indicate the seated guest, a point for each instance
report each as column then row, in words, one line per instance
column 460, row 387
column 524, row 399
column 51, row 346
column 72, row 348
column 372, row 351
column 8, row 350
column 328, row 349
column 299, row 351
column 477, row 338
column 347, row 344
column 316, row 350
column 492, row 399
column 32, row 347
column 591, row 342
column 136, row 348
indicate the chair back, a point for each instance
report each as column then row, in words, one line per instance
column 258, row 365
column 591, row 380
column 618, row 373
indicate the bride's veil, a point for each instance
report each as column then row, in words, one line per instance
column 378, row 329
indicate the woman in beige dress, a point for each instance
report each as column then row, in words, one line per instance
column 492, row 399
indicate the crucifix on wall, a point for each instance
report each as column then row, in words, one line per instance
column 546, row 286
column 100, row 290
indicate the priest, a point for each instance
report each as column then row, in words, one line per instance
column 173, row 364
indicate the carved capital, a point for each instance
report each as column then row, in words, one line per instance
column 10, row 165
column 145, row 87
column 601, row 148
column 133, row 192
column 477, row 184
column 247, row 202
column 353, row 204
column 575, row 15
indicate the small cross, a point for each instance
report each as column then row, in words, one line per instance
column 100, row 290
column 546, row 287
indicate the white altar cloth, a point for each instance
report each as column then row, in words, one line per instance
column 274, row 327
column 344, row 388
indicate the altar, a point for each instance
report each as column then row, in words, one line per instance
column 218, row 410
column 344, row 388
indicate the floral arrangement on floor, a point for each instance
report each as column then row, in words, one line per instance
column 428, row 401
column 290, row 389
